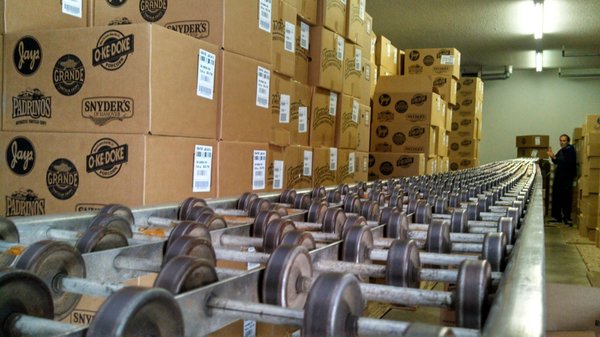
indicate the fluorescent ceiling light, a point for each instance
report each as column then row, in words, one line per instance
column 539, row 61
column 538, row 20
column 579, row 73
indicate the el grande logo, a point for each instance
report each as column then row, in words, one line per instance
column 153, row 10
column 62, row 179
column 68, row 75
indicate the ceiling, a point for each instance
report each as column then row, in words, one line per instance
column 494, row 33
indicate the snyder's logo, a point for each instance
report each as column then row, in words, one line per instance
column 416, row 131
column 465, row 122
column 466, row 142
column 27, row 55
column 405, row 161
column 153, row 10
column 116, row 3
column 418, row 99
column 386, row 168
column 62, row 179
column 32, row 104
column 198, row 29
column 112, row 50
column 467, row 102
column 68, row 75
column 399, row 138
column 20, row 155
column 25, row 203
column 106, row 158
column 465, row 162
column 414, row 55
column 102, row 110
column 401, row 106
column 385, row 100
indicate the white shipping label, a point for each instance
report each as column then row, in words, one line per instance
column 332, row 159
column 365, row 164
column 355, row 111
column 534, row 153
column 72, row 7
column 447, row 59
column 206, row 74
column 202, row 168
column 263, row 80
column 277, row 174
column 368, row 72
column 249, row 328
column 389, row 50
column 307, row 170
column 395, row 56
column 339, row 48
column 357, row 59
column 304, row 35
column 344, row 2
column 264, row 15
column 302, row 119
column 284, row 109
column 290, row 37
column 333, row 97
column 367, row 117
column 361, row 10
column 538, row 141
column 259, row 168
column 297, row 333
column 351, row 162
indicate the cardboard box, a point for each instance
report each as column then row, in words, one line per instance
column 300, row 114
column 152, row 90
column 535, row 152
column 346, row 166
column 571, row 307
column 432, row 165
column 420, row 138
column 289, row 167
column 463, row 147
column 19, row 15
column 242, row 168
column 236, row 25
column 445, row 86
column 591, row 124
column 459, row 163
column 284, row 38
column 392, row 165
column 533, row 141
column 391, row 107
column 373, row 46
column 353, row 69
column 327, row 59
column 364, row 128
column 364, row 36
column 347, row 119
column 436, row 61
column 362, row 166
column 386, row 55
column 355, row 20
column 470, row 86
column 367, row 80
column 324, row 166
column 48, row 173
column 302, row 51
column 465, row 127
column 324, row 108
column 281, row 102
column 577, row 134
column 307, row 10
column 244, row 109
column 332, row 14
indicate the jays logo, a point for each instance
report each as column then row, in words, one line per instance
column 20, row 156
column 27, row 55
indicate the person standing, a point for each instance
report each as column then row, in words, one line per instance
column 564, row 174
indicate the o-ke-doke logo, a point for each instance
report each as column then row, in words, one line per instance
column 62, row 179
column 102, row 110
column 20, row 156
column 31, row 106
column 27, row 56
column 106, row 158
column 25, row 203
column 68, row 75
column 153, row 10
column 112, row 50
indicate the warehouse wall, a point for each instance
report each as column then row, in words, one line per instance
column 533, row 103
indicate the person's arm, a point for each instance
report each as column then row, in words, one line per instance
column 551, row 155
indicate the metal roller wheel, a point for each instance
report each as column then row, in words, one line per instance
column 473, row 211
column 97, row 239
column 357, row 245
column 441, row 205
column 299, row 238
column 185, row 273
column 403, row 265
column 212, row 221
column 472, row 302
column 397, row 227
column 287, row 196
column 319, row 193
column 22, row 293
column 334, row 196
column 245, row 200
column 423, row 212
column 262, row 220
column 136, row 311
column 190, row 246
column 370, row 210
column 114, row 222
column 189, row 228
column 416, row 329
column 494, row 250
column 385, row 213
column 343, row 189
column 50, row 260
column 333, row 221
column 513, row 213
column 459, row 221
column 258, row 205
column 483, row 205
column 196, row 212
column 352, row 220
column 438, row 237
column 352, row 203
column 333, row 306
column 118, row 210
column 274, row 233
column 302, row 201
column 316, row 211
column 278, row 208
column 396, row 201
column 411, row 208
column 454, row 200
column 187, row 205
column 505, row 225
column 285, row 277
column 8, row 231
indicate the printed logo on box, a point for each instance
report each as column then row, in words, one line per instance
column 466, row 142
column 20, row 156
column 440, row 81
column 428, row 60
column 102, row 110
column 443, row 52
column 25, row 202
column 385, row 100
column 386, row 168
column 418, row 99
column 383, row 147
column 199, row 29
column 116, row 3
column 106, row 158
column 405, row 161
column 385, row 116
column 153, row 10
column 62, row 179
column 416, row 131
column 453, row 166
column 31, row 106
column 322, row 116
column 329, row 58
column 399, row 138
column 382, row 131
column 401, row 106
column 27, row 56
column 454, row 146
column 88, row 207
column 414, row 55
column 68, row 75
column 112, row 50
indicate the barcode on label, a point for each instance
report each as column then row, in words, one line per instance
column 290, row 37
column 202, row 168
column 249, row 328
column 332, row 103
column 357, row 59
column 259, row 169
column 361, row 9
column 264, row 15
column 206, row 74
column 304, row 35
column 355, row 111
column 368, row 72
column 307, row 171
column 302, row 119
column 277, row 174
column 447, row 59
column 340, row 48
column 72, row 7
column 284, row 109
column 332, row 159
column 263, row 79
column 351, row 163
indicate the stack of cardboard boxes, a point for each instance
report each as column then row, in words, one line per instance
column 588, row 182
column 275, row 94
column 533, row 146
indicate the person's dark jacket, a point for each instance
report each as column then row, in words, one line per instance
column 566, row 163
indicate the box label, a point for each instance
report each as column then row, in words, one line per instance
column 332, row 103
column 249, row 328
column 72, row 7
column 355, row 111
column 259, row 169
column 304, row 35
column 332, row 159
column 290, row 37
column 307, row 168
column 361, row 9
column 357, row 59
column 264, row 15
column 351, row 162
column 339, row 53
column 277, row 174
column 302, row 119
column 206, row 74
column 447, row 59
column 538, row 141
column 263, row 79
column 202, row 169
column 284, row 109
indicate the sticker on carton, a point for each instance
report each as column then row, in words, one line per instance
column 202, row 168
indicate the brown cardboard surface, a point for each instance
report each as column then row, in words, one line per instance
column 441, row 61
column 347, row 119
column 307, row 10
column 324, row 166
column 591, row 124
column 419, row 138
column 281, row 101
column 460, row 163
column 67, row 172
column 577, row 133
column 472, row 86
column 300, row 114
column 240, row 116
column 364, row 129
column 150, row 86
column 302, row 51
column 284, row 38
column 324, row 108
column 364, row 37
column 299, row 173
column 355, row 20
column 392, row 165
column 536, row 152
column 231, row 24
column 237, row 162
column 332, row 14
column 19, row 15
column 353, row 69
column 346, row 166
column 465, row 127
column 463, row 147
column 533, row 141
column 362, row 166
column 327, row 59
column 407, row 107
column 365, row 82
column 386, row 55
